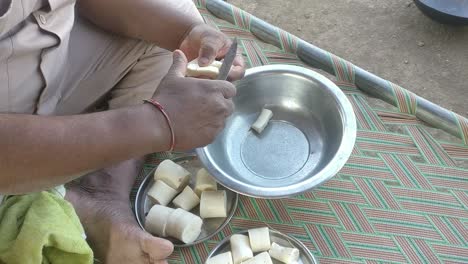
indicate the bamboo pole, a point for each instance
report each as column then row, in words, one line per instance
column 371, row 84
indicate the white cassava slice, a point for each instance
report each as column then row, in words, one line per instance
column 259, row 239
column 217, row 64
column 162, row 193
column 204, row 182
column 211, row 71
column 223, row 258
column 262, row 120
column 172, row 174
column 156, row 220
column 284, row 254
column 240, row 248
column 184, row 225
column 262, row 258
column 213, row 204
column 187, row 199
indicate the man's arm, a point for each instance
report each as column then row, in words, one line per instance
column 170, row 24
column 163, row 22
column 37, row 152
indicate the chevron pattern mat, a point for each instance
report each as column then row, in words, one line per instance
column 401, row 198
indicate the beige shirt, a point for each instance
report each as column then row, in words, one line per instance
column 41, row 72
column 34, row 36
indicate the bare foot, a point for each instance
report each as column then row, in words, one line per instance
column 101, row 201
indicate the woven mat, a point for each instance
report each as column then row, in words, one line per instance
column 401, row 198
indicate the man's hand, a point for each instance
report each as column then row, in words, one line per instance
column 197, row 107
column 207, row 44
column 150, row 21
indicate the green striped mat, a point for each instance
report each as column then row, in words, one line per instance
column 401, row 198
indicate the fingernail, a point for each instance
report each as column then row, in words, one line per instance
column 204, row 61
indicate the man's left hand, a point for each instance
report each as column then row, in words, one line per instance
column 207, row 44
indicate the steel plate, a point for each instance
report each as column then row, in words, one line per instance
column 210, row 226
column 275, row 236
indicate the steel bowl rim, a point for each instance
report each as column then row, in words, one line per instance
column 140, row 221
column 330, row 170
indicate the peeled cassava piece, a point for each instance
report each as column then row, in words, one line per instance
column 156, row 220
column 172, row 174
column 184, row 225
column 284, row 254
column 213, row 204
column 223, row 258
column 259, row 239
column 211, row 71
column 262, row 258
column 204, row 182
column 262, row 120
column 240, row 248
column 187, row 199
column 162, row 193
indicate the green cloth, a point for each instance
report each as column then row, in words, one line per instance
column 41, row 228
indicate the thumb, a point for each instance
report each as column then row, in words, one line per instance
column 156, row 248
column 209, row 49
column 179, row 64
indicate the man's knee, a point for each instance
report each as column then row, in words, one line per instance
column 143, row 79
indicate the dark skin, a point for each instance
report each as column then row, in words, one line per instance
column 100, row 139
column 111, row 143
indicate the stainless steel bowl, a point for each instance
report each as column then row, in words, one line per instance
column 307, row 142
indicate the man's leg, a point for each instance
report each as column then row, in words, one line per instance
column 102, row 204
column 101, row 198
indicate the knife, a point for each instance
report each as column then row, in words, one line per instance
column 227, row 62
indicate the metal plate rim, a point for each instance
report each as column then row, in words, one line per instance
column 141, row 191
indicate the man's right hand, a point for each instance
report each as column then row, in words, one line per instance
column 197, row 108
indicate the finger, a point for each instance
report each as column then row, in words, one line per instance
column 157, row 248
column 179, row 64
column 227, row 89
column 204, row 77
column 224, row 50
column 236, row 73
column 224, row 109
column 230, row 107
column 237, row 70
column 238, row 60
column 210, row 47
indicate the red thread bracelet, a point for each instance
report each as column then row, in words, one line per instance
column 161, row 108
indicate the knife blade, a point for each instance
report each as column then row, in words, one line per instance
column 227, row 62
